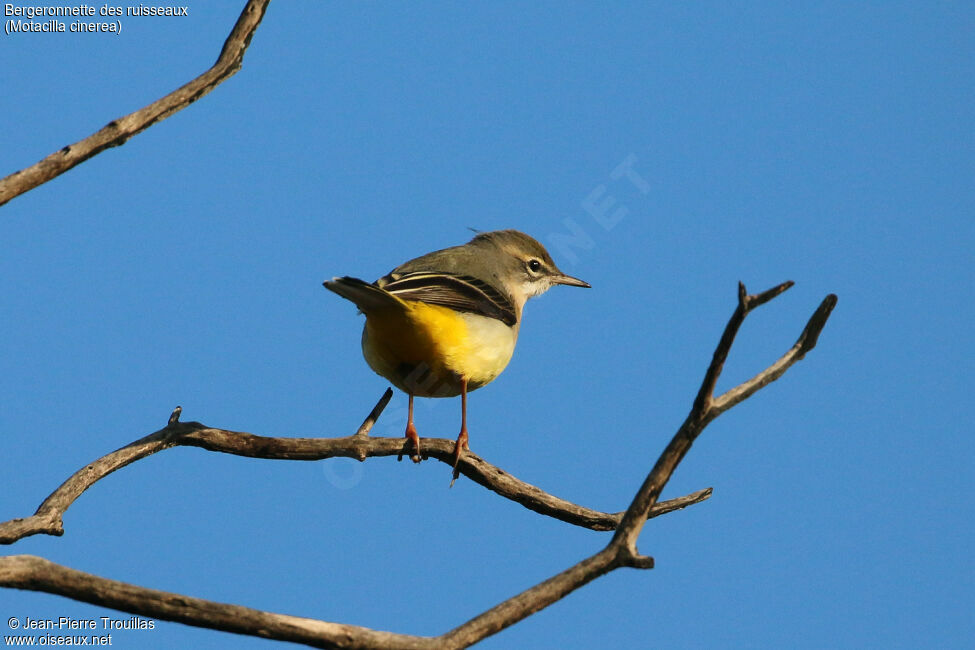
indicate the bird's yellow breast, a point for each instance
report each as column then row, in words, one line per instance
column 426, row 350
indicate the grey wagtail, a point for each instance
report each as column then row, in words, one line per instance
column 446, row 323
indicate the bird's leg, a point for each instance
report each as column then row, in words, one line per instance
column 411, row 435
column 461, row 444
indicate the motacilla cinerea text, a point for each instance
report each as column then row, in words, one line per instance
column 446, row 323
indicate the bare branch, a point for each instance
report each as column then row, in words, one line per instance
column 528, row 602
column 810, row 335
column 497, row 480
column 621, row 550
column 27, row 572
column 805, row 343
column 174, row 416
column 48, row 517
column 706, row 408
column 118, row 131
column 745, row 304
column 37, row 574
column 374, row 414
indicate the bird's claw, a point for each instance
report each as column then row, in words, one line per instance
column 411, row 437
column 459, row 448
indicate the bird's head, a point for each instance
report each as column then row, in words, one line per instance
column 524, row 268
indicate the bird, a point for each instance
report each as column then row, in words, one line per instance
column 446, row 323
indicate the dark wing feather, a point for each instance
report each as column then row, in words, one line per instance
column 459, row 292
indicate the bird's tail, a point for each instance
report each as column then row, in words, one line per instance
column 367, row 297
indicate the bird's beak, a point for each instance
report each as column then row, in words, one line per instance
column 562, row 278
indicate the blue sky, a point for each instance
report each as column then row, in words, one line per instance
column 829, row 144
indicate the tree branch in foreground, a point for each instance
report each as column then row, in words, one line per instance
column 27, row 572
column 48, row 517
column 118, row 131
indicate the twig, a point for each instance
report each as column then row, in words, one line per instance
column 118, row 131
column 806, row 342
column 370, row 420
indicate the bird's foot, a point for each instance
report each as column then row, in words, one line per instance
column 459, row 448
column 413, row 438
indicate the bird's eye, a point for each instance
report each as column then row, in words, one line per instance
column 534, row 266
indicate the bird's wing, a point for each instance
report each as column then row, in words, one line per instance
column 460, row 292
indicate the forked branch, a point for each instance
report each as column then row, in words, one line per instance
column 706, row 407
column 27, row 572
column 621, row 550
